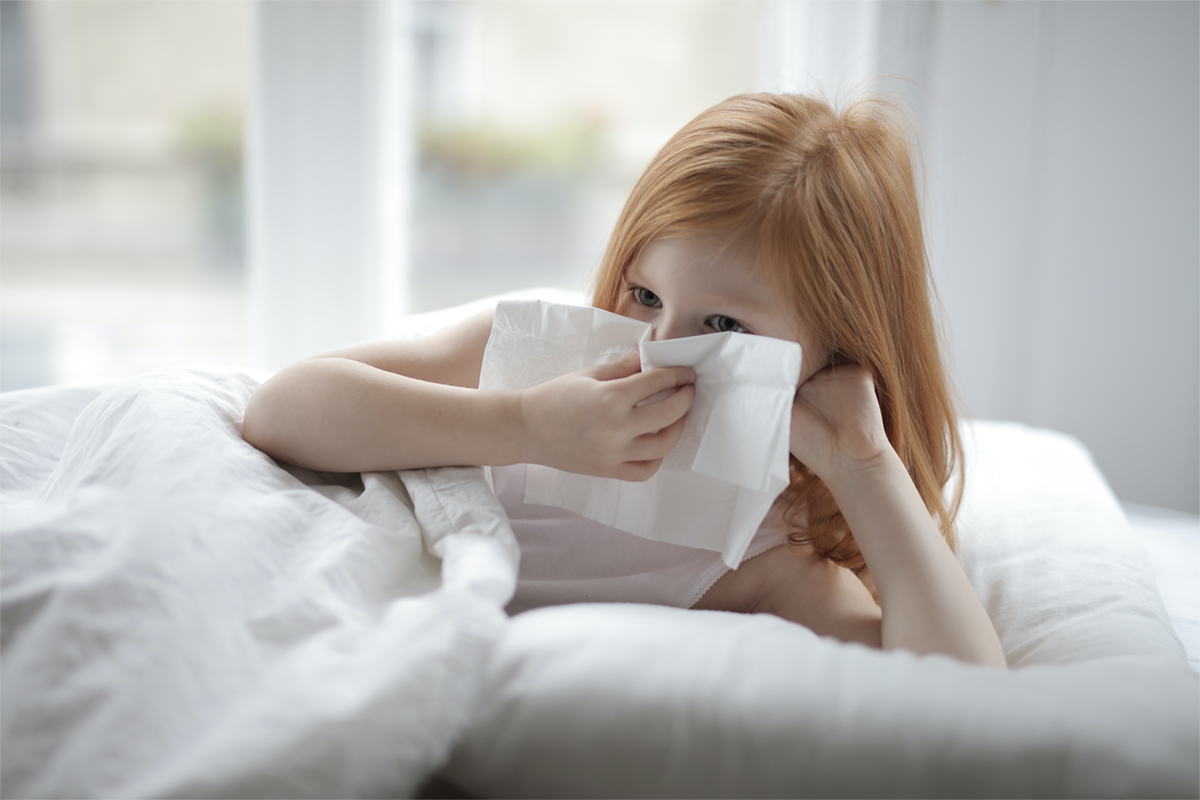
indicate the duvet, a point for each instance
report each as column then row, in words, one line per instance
column 184, row 616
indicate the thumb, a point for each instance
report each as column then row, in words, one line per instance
column 612, row 370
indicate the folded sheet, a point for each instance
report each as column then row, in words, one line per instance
column 716, row 486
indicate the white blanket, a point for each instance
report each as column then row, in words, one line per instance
column 182, row 616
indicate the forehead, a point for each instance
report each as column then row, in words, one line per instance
column 708, row 269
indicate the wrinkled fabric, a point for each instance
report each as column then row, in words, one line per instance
column 185, row 616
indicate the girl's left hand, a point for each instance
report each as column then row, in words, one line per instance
column 837, row 425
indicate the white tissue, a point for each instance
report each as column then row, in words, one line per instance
column 716, row 486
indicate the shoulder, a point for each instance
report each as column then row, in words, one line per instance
column 797, row 584
column 756, row 584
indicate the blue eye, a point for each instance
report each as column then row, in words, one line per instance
column 646, row 298
column 722, row 324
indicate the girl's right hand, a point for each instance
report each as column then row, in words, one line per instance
column 589, row 421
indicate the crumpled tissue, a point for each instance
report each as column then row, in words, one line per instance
column 717, row 484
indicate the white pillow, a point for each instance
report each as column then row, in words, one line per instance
column 623, row 700
column 651, row 701
column 1051, row 554
column 1171, row 540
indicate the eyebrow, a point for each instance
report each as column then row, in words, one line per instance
column 734, row 298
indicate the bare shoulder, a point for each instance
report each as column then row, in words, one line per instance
column 452, row 355
column 798, row 585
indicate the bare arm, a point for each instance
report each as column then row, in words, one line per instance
column 928, row 605
column 387, row 405
column 416, row 403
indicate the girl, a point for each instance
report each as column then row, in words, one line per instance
column 773, row 215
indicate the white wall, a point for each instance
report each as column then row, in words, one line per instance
column 1063, row 145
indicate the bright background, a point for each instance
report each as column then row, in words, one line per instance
column 250, row 183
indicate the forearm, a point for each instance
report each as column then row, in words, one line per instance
column 928, row 604
column 339, row 415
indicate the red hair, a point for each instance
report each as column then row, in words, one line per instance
column 827, row 201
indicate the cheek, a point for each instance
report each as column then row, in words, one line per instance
column 807, row 370
column 623, row 306
column 812, row 361
column 628, row 307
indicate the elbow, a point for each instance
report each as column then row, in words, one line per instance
column 981, row 655
column 995, row 660
column 257, row 428
column 972, row 658
column 984, row 650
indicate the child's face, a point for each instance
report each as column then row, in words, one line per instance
column 684, row 287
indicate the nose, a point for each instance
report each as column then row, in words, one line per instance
column 670, row 327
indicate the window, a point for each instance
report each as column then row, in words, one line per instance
column 406, row 155
column 121, row 187
column 534, row 119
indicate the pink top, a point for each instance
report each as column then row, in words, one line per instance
column 566, row 558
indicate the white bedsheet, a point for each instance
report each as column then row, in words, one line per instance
column 184, row 617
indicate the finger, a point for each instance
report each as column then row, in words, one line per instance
column 647, row 384
column 639, row 470
column 657, row 445
column 621, row 368
column 656, row 416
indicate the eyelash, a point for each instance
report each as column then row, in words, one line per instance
column 739, row 329
column 637, row 293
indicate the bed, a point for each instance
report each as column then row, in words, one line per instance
column 183, row 616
